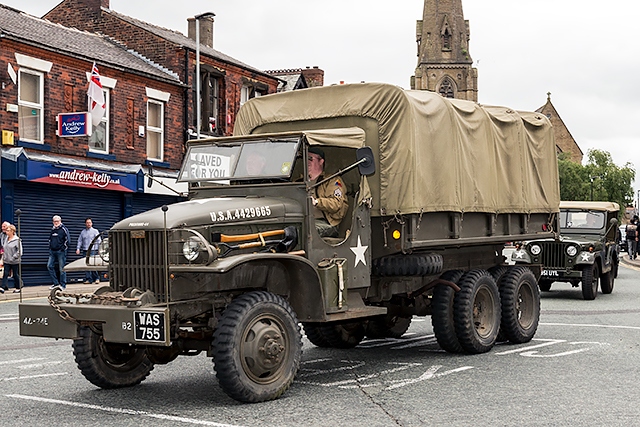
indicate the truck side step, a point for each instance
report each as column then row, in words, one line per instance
column 356, row 309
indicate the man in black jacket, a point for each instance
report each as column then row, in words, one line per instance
column 58, row 245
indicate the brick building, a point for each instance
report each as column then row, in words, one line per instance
column 46, row 68
column 564, row 140
column 226, row 82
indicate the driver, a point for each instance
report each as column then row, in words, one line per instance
column 329, row 198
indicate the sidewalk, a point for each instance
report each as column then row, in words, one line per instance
column 624, row 259
column 29, row 292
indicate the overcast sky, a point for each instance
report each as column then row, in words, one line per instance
column 586, row 56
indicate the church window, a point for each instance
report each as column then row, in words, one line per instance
column 446, row 88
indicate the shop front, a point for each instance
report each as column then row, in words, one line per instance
column 35, row 187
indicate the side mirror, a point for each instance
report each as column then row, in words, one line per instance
column 150, row 180
column 366, row 162
column 613, row 222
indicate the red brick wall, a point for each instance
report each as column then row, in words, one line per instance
column 81, row 14
column 65, row 88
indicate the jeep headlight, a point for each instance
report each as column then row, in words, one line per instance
column 191, row 248
column 103, row 249
column 572, row 250
column 535, row 249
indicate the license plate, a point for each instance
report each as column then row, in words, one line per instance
column 553, row 273
column 149, row 326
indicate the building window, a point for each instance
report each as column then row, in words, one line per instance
column 30, row 105
column 247, row 92
column 446, row 88
column 155, row 130
column 99, row 139
column 210, row 101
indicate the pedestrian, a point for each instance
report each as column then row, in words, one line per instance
column 11, row 258
column 84, row 244
column 58, row 245
column 632, row 237
column 3, row 235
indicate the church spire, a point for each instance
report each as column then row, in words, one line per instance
column 444, row 61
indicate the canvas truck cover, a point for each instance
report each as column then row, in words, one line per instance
column 432, row 153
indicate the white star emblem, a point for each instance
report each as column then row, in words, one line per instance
column 585, row 257
column 519, row 254
column 359, row 252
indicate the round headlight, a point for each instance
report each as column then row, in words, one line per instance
column 191, row 249
column 103, row 249
column 572, row 250
column 535, row 249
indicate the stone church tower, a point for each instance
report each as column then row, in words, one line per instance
column 444, row 61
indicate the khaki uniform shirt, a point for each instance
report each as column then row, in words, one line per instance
column 332, row 200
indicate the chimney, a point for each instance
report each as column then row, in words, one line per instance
column 206, row 28
column 313, row 76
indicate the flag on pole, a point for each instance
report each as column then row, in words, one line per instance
column 97, row 105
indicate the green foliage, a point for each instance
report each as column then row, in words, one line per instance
column 600, row 179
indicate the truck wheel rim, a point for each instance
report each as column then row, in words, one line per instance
column 264, row 349
column 484, row 313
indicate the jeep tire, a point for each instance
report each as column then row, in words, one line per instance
column 590, row 279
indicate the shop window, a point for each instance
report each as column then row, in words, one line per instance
column 99, row 139
column 31, row 105
column 155, row 130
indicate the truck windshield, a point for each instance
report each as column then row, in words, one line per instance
column 248, row 160
column 582, row 219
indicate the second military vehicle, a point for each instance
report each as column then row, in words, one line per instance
column 586, row 252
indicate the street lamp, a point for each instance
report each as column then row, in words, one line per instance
column 198, row 100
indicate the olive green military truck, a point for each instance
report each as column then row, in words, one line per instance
column 435, row 188
column 585, row 253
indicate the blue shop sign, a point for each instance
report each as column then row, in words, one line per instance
column 74, row 124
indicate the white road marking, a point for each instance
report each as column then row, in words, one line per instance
column 592, row 326
column 28, row 377
column 121, row 411
column 14, row 362
column 343, row 383
column 392, row 341
column 429, row 373
column 312, row 372
column 426, row 340
column 531, row 347
column 40, row 365
column 566, row 353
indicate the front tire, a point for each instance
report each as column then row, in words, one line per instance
column 109, row 365
column 520, row 303
column 590, row 279
column 607, row 281
column 477, row 312
column 257, row 347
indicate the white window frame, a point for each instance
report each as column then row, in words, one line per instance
column 105, row 120
column 153, row 130
column 28, row 104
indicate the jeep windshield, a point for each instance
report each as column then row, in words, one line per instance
column 239, row 161
column 590, row 220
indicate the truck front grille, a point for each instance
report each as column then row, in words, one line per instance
column 553, row 255
column 138, row 260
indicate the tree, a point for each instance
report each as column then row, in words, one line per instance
column 600, row 178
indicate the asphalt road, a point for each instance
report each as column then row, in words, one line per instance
column 581, row 369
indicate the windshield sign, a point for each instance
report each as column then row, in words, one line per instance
column 582, row 219
column 245, row 160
